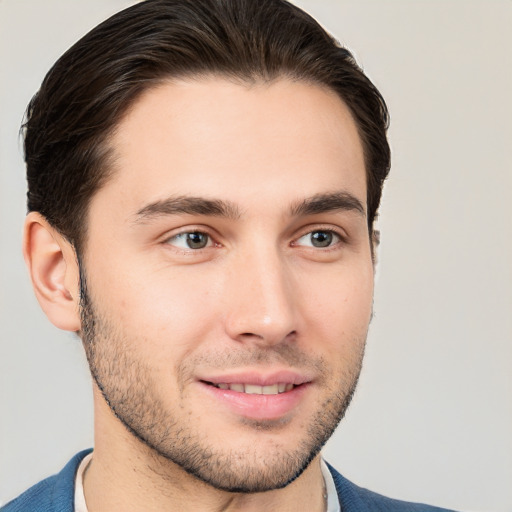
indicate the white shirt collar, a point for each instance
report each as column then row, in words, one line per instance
column 80, row 505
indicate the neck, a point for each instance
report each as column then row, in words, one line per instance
column 112, row 484
column 125, row 474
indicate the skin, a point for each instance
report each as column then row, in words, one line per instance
column 260, row 297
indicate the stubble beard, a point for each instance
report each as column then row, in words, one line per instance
column 126, row 385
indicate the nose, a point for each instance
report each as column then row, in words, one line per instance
column 262, row 304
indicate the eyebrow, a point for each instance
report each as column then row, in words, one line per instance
column 323, row 203
column 188, row 205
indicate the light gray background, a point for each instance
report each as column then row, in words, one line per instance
column 432, row 419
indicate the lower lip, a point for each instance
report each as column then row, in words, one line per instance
column 258, row 407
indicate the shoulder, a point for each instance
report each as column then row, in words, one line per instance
column 54, row 494
column 357, row 499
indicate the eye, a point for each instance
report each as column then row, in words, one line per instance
column 190, row 240
column 320, row 238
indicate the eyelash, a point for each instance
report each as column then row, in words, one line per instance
column 340, row 237
column 200, row 231
column 337, row 239
column 333, row 239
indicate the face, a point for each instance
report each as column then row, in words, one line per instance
column 228, row 277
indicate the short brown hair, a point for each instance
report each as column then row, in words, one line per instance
column 92, row 85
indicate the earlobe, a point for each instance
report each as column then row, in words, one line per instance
column 53, row 269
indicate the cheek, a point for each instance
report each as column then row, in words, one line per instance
column 171, row 312
column 340, row 305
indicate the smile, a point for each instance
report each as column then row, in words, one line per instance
column 257, row 396
column 253, row 389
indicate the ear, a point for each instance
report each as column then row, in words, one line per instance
column 53, row 267
column 375, row 241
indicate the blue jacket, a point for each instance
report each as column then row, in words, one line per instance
column 56, row 494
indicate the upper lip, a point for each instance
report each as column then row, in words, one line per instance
column 259, row 378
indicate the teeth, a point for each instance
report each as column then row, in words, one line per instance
column 253, row 389
column 271, row 390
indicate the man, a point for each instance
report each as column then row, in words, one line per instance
column 203, row 179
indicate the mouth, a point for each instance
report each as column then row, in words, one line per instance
column 254, row 389
column 258, row 396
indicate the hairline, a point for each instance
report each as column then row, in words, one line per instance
column 108, row 155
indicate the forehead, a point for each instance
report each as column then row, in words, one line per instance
column 215, row 138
